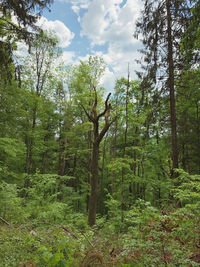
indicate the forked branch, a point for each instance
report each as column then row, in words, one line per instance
column 107, row 107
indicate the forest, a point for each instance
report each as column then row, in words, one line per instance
column 96, row 178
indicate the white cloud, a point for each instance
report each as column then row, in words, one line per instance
column 63, row 33
column 68, row 57
column 22, row 51
column 77, row 5
column 76, row 9
column 108, row 80
column 76, row 2
column 105, row 22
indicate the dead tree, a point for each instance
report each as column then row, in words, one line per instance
column 97, row 137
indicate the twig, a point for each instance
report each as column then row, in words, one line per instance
column 87, row 239
column 64, row 228
column 3, row 220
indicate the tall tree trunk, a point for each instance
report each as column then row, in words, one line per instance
column 114, row 150
column 125, row 143
column 198, row 136
column 171, row 89
column 29, row 148
column 94, row 185
column 114, row 157
column 89, row 165
column 101, row 208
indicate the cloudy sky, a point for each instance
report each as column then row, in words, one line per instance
column 97, row 27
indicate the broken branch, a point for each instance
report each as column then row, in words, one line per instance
column 106, row 107
column 4, row 221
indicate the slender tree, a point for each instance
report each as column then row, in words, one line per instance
column 170, row 85
column 38, row 81
column 162, row 26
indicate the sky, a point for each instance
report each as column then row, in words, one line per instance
column 97, row 27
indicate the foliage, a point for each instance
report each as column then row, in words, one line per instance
column 11, row 31
column 144, row 216
column 147, row 236
column 11, row 204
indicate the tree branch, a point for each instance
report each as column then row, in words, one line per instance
column 64, row 228
column 88, row 115
column 95, row 103
column 104, row 130
column 94, row 109
column 106, row 107
column 3, row 220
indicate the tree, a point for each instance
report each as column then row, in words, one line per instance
column 97, row 138
column 162, row 26
column 26, row 13
column 37, row 74
column 83, row 86
column 191, row 41
column 188, row 94
column 188, row 107
column 170, row 85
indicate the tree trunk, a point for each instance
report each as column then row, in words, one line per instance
column 89, row 165
column 94, row 185
column 29, row 148
column 95, row 152
column 125, row 144
column 171, row 90
column 101, row 208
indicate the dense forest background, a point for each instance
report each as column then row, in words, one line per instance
column 96, row 178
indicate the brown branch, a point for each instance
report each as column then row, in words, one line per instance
column 87, row 239
column 95, row 103
column 104, row 130
column 64, row 228
column 88, row 115
column 4, row 221
column 94, row 109
column 106, row 107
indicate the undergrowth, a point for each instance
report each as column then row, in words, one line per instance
column 154, row 239
column 46, row 233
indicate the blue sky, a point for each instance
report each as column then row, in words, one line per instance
column 97, row 27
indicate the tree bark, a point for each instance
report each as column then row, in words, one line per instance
column 94, row 185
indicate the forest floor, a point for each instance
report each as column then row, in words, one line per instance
column 153, row 243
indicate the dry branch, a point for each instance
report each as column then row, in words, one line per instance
column 64, row 228
column 4, row 221
column 106, row 107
